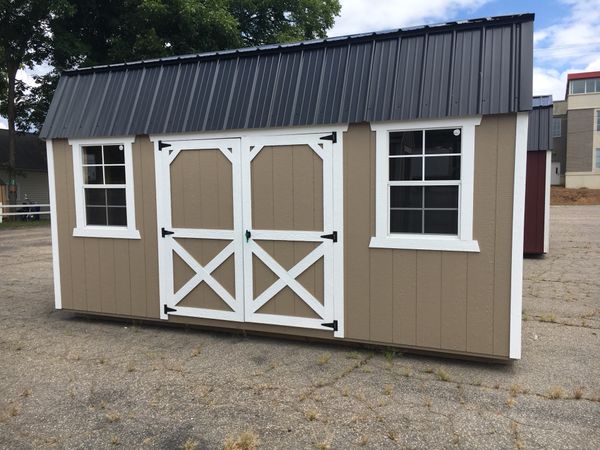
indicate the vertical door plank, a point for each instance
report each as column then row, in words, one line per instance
column 454, row 301
column 405, row 297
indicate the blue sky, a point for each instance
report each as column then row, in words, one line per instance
column 567, row 32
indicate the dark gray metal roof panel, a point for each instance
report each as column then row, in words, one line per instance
column 482, row 66
column 539, row 132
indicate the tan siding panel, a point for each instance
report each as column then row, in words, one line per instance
column 357, row 230
column 92, row 275
column 405, row 297
column 62, row 152
column 381, row 296
column 503, row 251
column 137, row 254
column 106, row 255
column 454, row 301
column 147, row 227
column 481, row 265
column 429, row 292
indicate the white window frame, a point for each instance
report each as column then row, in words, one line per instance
column 463, row 241
column 103, row 231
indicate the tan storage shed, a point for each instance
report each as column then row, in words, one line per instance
column 364, row 188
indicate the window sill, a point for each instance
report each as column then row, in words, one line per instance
column 106, row 232
column 449, row 244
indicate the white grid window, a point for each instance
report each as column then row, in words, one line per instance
column 424, row 181
column 598, row 120
column 424, row 184
column 104, row 199
column 597, row 165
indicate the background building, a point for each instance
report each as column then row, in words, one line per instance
column 576, row 132
column 32, row 170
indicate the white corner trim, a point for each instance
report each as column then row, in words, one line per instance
column 547, row 202
column 516, row 275
column 419, row 242
column 81, row 228
column 54, row 225
column 383, row 238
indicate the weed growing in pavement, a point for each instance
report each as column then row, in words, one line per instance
column 324, row 359
column 442, row 375
column 556, row 392
column 245, row 441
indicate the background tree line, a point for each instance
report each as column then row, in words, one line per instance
column 65, row 34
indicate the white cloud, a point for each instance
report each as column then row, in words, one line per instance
column 574, row 39
column 3, row 124
column 358, row 16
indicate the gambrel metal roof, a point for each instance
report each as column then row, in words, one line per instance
column 481, row 66
column 539, row 133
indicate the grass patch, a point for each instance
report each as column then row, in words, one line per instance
column 555, row 393
column 516, row 389
column 196, row 351
column 510, row 402
column 190, row 444
column 245, row 441
column 392, row 435
column 113, row 416
column 324, row 445
column 388, row 389
column 549, row 318
column 115, row 440
column 311, row 415
column 442, row 375
column 324, row 359
column 578, row 393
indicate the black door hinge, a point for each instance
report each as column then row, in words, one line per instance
column 332, row 137
column 162, row 145
column 332, row 236
column 333, row 325
column 166, row 232
column 167, row 310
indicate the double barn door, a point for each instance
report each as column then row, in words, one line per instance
column 246, row 229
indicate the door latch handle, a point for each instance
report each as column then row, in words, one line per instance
column 248, row 235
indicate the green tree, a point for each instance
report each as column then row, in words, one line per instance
column 92, row 32
column 24, row 42
column 271, row 21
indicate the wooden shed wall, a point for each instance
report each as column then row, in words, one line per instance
column 432, row 299
column 446, row 301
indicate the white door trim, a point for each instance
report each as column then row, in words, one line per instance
column 168, row 246
column 336, row 276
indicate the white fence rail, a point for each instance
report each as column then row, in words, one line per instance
column 27, row 210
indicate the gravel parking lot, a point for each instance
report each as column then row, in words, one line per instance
column 72, row 382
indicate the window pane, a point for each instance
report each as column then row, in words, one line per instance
column 115, row 197
column 114, row 154
column 92, row 175
column 406, row 143
column 577, row 86
column 406, row 221
column 95, row 215
column 590, row 86
column 114, row 174
column 442, row 141
column 117, row 215
column 95, row 197
column 406, row 196
column 441, row 222
column 442, row 168
column 598, row 158
column 441, row 197
column 92, row 155
column 402, row 169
